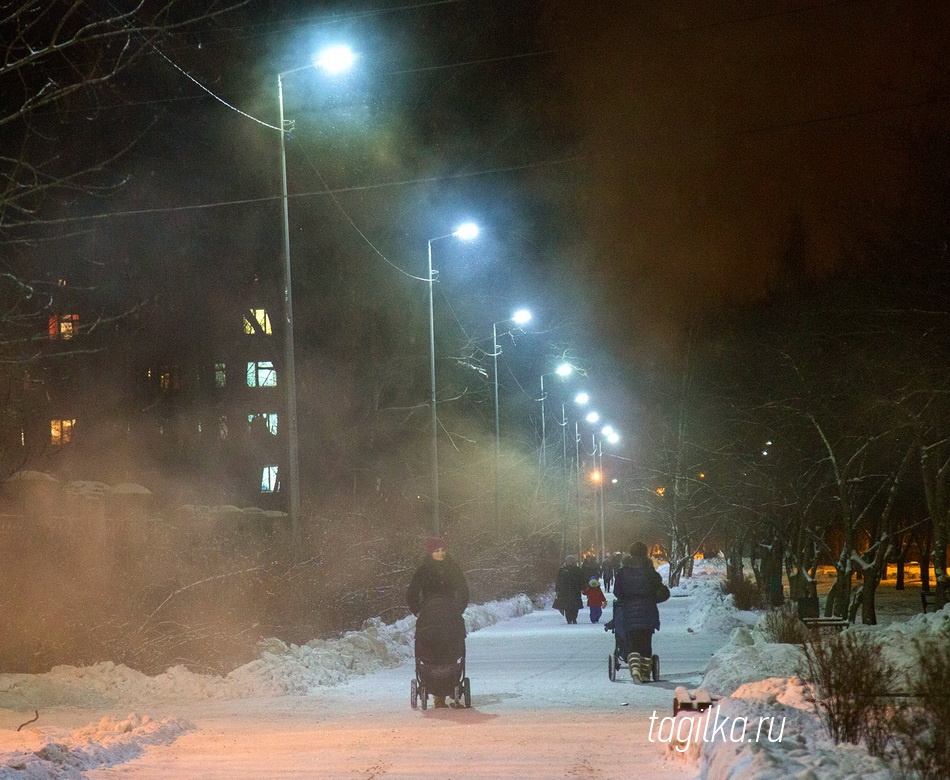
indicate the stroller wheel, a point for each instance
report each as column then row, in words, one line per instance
column 414, row 694
column 611, row 668
column 467, row 692
column 656, row 668
column 423, row 697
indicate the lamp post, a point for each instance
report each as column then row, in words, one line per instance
column 607, row 432
column 335, row 59
column 466, row 232
column 520, row 317
column 580, row 399
column 563, row 370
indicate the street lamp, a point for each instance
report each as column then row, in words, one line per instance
column 612, row 437
column 520, row 317
column 563, row 370
column 335, row 59
column 466, row 232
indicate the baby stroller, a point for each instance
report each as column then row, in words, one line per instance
column 440, row 655
column 643, row 669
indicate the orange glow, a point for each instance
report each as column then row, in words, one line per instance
column 660, row 491
column 595, row 476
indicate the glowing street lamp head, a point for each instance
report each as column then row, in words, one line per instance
column 613, row 437
column 335, row 59
column 581, row 398
column 467, row 231
column 521, row 317
column 607, row 431
column 592, row 417
column 564, row 370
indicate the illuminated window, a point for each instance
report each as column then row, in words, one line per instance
column 270, row 419
column 220, row 376
column 63, row 326
column 61, row 431
column 257, row 321
column 261, row 374
column 269, row 479
column 169, row 380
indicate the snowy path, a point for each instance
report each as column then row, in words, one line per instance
column 543, row 707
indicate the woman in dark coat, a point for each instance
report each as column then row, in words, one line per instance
column 567, row 589
column 637, row 588
column 438, row 595
column 437, row 575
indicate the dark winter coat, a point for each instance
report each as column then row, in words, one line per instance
column 568, row 586
column 590, row 569
column 635, row 590
column 437, row 578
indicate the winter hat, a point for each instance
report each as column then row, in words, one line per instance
column 594, row 583
column 434, row 543
column 570, row 559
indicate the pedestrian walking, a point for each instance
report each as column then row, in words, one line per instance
column 596, row 600
column 438, row 595
column 638, row 589
column 567, row 589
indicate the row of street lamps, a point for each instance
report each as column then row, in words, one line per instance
column 336, row 60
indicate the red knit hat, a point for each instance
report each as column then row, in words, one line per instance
column 434, row 543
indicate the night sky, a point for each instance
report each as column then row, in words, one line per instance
column 721, row 134
column 635, row 166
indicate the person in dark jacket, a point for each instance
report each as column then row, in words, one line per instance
column 590, row 568
column 439, row 582
column 636, row 589
column 567, row 589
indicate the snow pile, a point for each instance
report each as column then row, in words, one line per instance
column 281, row 670
column 760, row 676
column 897, row 639
column 748, row 658
column 104, row 744
column 773, row 732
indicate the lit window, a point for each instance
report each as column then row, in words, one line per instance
column 269, row 479
column 261, row 374
column 169, row 380
column 257, row 321
column 61, row 431
column 220, row 376
column 269, row 418
column 63, row 326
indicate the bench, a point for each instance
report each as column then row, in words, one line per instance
column 699, row 700
column 818, row 623
column 928, row 597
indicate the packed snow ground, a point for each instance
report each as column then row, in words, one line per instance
column 542, row 706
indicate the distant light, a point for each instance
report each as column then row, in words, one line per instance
column 595, row 476
column 768, row 444
column 467, row 231
column 521, row 317
column 613, row 481
column 592, row 417
column 581, row 398
column 702, row 475
column 335, row 59
column 765, row 452
column 607, row 431
column 614, row 437
column 564, row 369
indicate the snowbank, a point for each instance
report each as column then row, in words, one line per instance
column 106, row 743
column 281, row 670
column 760, row 676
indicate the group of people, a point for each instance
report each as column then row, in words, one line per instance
column 637, row 589
column 438, row 595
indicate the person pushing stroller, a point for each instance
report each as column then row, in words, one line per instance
column 438, row 595
column 638, row 588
